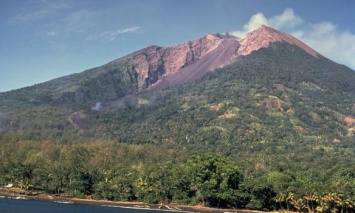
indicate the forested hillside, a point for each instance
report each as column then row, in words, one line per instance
column 108, row 82
column 272, row 130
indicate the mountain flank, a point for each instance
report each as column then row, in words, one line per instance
column 154, row 67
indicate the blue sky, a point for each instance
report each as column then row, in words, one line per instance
column 45, row 39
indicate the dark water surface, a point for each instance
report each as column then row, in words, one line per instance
column 9, row 205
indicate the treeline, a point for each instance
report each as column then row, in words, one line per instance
column 115, row 171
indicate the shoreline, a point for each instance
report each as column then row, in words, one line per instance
column 15, row 193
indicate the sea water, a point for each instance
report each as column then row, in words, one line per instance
column 13, row 205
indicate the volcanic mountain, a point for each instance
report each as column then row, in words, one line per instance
column 280, row 111
column 155, row 67
column 218, row 87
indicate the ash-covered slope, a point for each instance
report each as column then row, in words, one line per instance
column 160, row 67
column 264, row 36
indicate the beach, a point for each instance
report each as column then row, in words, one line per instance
column 17, row 193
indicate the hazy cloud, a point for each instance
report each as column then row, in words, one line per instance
column 112, row 35
column 324, row 37
column 80, row 21
column 333, row 43
column 38, row 10
column 55, row 21
column 109, row 36
column 73, row 25
column 50, row 33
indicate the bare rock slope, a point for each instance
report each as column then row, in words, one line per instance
column 158, row 67
column 186, row 61
column 264, row 35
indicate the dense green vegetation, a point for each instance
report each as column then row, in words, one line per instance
column 269, row 131
column 108, row 82
column 115, row 171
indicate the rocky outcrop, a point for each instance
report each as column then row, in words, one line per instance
column 153, row 63
column 159, row 67
column 77, row 119
column 149, row 65
column 264, row 35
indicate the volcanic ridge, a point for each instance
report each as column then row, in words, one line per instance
column 159, row 67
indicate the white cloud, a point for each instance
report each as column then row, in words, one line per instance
column 129, row 30
column 112, row 35
column 331, row 42
column 288, row 19
column 255, row 22
column 324, row 37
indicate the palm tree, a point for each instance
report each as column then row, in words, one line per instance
column 343, row 204
column 298, row 204
column 281, row 198
column 312, row 199
column 331, row 200
column 348, row 205
column 290, row 198
column 25, row 184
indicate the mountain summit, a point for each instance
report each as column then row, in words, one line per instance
column 155, row 67
column 265, row 35
column 159, row 67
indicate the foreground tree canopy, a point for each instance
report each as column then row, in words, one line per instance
column 115, row 171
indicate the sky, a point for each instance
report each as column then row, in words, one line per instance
column 45, row 39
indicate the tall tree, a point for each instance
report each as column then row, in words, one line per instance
column 214, row 179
